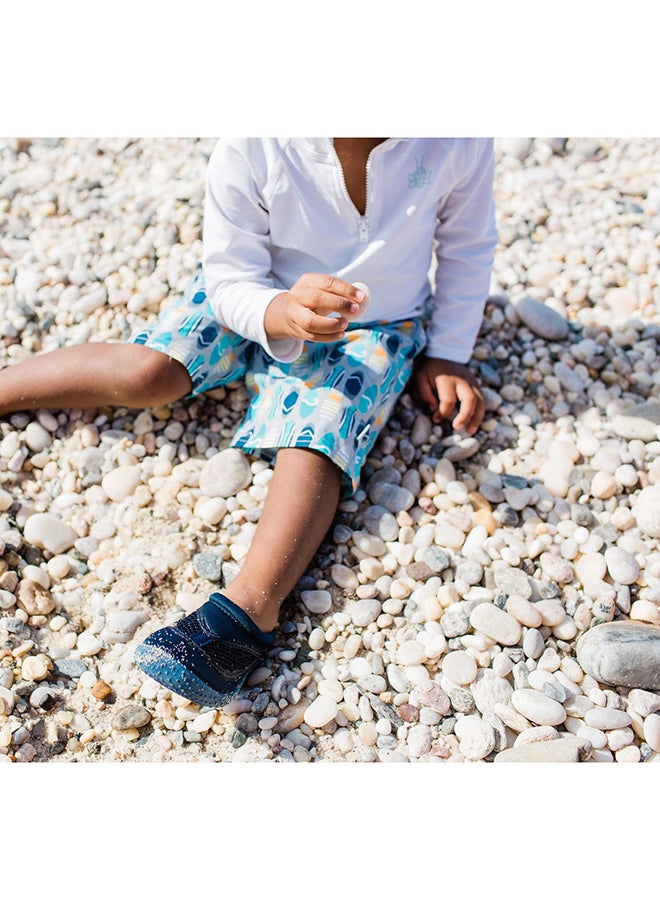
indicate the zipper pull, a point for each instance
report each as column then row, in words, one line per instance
column 363, row 230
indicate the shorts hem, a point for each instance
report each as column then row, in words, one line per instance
column 270, row 451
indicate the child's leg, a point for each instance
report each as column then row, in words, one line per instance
column 90, row 375
column 298, row 511
column 207, row 655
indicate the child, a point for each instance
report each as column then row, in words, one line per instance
column 294, row 229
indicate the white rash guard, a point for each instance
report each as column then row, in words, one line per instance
column 277, row 208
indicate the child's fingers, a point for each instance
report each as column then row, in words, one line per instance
column 328, row 284
column 446, row 396
column 426, row 392
column 325, row 303
column 471, row 407
column 314, row 327
column 326, row 294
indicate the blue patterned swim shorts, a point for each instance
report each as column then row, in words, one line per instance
column 334, row 398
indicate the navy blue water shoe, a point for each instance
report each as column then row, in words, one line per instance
column 207, row 655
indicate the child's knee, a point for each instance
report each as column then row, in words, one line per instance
column 161, row 378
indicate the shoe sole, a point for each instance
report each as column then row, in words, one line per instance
column 164, row 668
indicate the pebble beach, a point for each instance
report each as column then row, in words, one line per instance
column 493, row 598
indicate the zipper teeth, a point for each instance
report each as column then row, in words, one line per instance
column 343, row 183
column 362, row 220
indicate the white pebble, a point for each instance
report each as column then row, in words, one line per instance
column 459, row 667
column 317, row 602
column 321, row 711
column 537, row 707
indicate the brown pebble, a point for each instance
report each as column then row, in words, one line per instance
column 8, row 581
column 420, row 571
column 478, row 501
column 485, row 518
column 101, row 690
column 34, row 599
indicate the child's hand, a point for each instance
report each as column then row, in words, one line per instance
column 444, row 385
column 303, row 312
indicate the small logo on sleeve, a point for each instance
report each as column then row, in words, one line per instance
column 420, row 176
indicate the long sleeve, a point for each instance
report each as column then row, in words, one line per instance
column 237, row 258
column 466, row 238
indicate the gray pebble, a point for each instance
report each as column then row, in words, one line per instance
column 514, row 481
column 455, row 622
column 461, row 701
column 247, row 723
column 548, row 590
column 542, row 320
column 381, row 522
column 447, row 725
column 490, row 375
column 520, row 676
column 392, row 497
column 513, row 581
column 499, row 730
column 508, row 516
column 238, row 739
column 259, row 705
column 436, row 559
column 208, row 565
column 556, row 691
column 13, row 624
column 625, row 654
column 74, row 668
column 131, row 717
column 342, row 534
column 20, row 736
column 582, row 515
column 470, row 571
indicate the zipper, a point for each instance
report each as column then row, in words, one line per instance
column 363, row 221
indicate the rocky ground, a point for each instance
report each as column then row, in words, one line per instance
column 485, row 598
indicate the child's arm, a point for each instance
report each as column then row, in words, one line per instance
column 237, row 261
column 466, row 239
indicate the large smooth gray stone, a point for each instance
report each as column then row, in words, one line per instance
column 541, row 319
column 624, row 654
